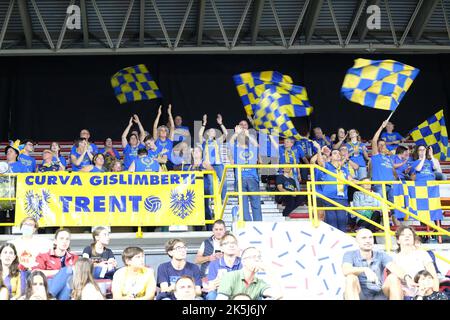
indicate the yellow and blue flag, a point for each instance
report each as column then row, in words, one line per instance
column 433, row 132
column 379, row 84
column 419, row 197
column 270, row 118
column 134, row 84
column 293, row 99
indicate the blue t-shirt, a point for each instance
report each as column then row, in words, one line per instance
column 382, row 168
column 389, row 137
column 166, row 273
column 17, row 167
column 146, row 164
column 292, row 156
column 178, row 137
column 356, row 153
column 248, row 155
column 116, row 153
column 85, row 162
column 60, row 159
column 95, row 169
column 28, row 162
column 330, row 190
column 165, row 147
column 306, row 146
column 212, row 151
column 92, row 149
column 323, row 142
column 401, row 170
column 130, row 154
column 219, row 264
column 426, row 174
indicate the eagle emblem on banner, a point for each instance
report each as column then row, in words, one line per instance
column 36, row 205
column 181, row 203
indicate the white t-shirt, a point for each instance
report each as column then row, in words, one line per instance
column 413, row 262
column 28, row 249
column 89, row 292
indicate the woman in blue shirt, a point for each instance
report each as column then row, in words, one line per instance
column 133, row 144
column 423, row 167
column 164, row 139
column 97, row 166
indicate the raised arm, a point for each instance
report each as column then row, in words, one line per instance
column 202, row 129
column 141, row 128
column 155, row 124
column 320, row 161
column 125, row 133
column 171, row 123
column 375, row 138
column 222, row 127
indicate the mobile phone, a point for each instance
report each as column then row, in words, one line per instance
column 217, row 251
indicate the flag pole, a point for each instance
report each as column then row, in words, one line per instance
column 390, row 115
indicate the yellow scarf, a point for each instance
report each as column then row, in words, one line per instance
column 207, row 155
column 340, row 174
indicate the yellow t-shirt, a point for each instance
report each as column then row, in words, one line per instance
column 129, row 282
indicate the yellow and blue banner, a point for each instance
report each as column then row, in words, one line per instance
column 111, row 199
column 379, row 84
column 293, row 99
column 419, row 197
column 134, row 84
column 433, row 132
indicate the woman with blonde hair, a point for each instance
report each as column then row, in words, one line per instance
column 101, row 256
column 84, row 286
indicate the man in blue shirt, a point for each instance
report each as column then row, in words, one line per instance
column 12, row 153
column 391, row 138
column 402, row 163
column 25, row 158
column 144, row 163
column 181, row 133
column 322, row 139
column 363, row 270
column 91, row 147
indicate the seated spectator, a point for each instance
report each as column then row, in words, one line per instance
column 98, row 162
column 152, row 149
column 37, row 287
column 229, row 262
column 246, row 281
column 363, row 270
column 169, row 272
column 25, row 158
column 338, row 140
column 80, row 156
column 133, row 144
column 358, row 153
column 422, row 169
column 164, row 139
column 402, row 163
column 13, row 278
column 116, row 166
column 426, row 290
column 57, row 157
column 109, row 150
column 412, row 260
column 12, row 154
column 322, row 139
column 438, row 174
column 285, row 183
column 360, row 199
column 185, row 288
column 47, row 162
column 391, row 138
column 135, row 281
column 144, row 163
column 4, row 294
column 57, row 265
column 103, row 259
column 210, row 249
column 28, row 245
column 83, row 284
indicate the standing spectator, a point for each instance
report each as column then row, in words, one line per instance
column 382, row 167
column 308, row 150
column 102, row 257
column 12, row 154
column 360, row 199
column 169, row 272
column 423, row 166
column 25, row 158
column 339, row 139
column 133, row 144
column 144, row 163
column 285, row 183
column 230, row 261
column 391, row 138
column 412, row 260
column 13, row 278
column 348, row 163
column 152, row 149
column 80, row 156
column 83, row 285
column 322, row 139
column 338, row 192
column 210, row 249
column 180, row 133
column 244, row 150
column 97, row 165
column 358, row 153
column 426, row 290
column 92, row 148
column 164, row 138
column 116, row 166
column 134, row 281
column 37, row 287
column 57, row 157
column 212, row 149
column 246, row 281
column 363, row 270
column 402, row 163
column 109, row 150
column 28, row 245
column 47, row 163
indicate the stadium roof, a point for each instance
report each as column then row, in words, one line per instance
column 38, row 27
